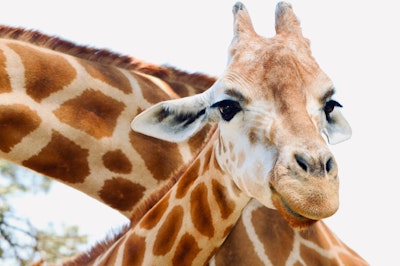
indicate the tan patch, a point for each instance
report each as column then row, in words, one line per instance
column 5, row 85
column 351, row 259
column 179, row 89
column 313, row 234
column 226, row 206
column 92, row 112
column 233, row 157
column 16, row 122
column 150, row 91
column 237, row 249
column 312, row 257
column 121, row 193
column 227, row 230
column 44, row 73
column 200, row 211
column 187, row 180
column 186, row 251
column 108, row 74
column 217, row 167
column 211, row 254
column 62, row 159
column 117, row 161
column 134, row 251
column 241, row 159
column 162, row 158
column 168, row 232
column 230, row 145
column 197, row 140
column 208, row 161
column 154, row 216
column 224, row 149
column 252, row 137
column 277, row 234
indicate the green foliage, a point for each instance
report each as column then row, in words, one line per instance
column 21, row 243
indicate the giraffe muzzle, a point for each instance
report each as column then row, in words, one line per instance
column 306, row 188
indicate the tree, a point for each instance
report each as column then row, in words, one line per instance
column 21, row 243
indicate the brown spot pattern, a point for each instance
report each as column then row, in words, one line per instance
column 117, row 161
column 62, row 159
column 149, row 92
column 234, row 252
column 187, row 180
column 200, row 211
column 162, row 158
column 208, row 162
column 227, row 230
column 108, row 74
column 92, row 112
column 5, row 85
column 45, row 73
column 197, row 140
column 312, row 257
column 121, row 193
column 134, row 251
column 278, row 234
column 316, row 236
column 155, row 214
column 226, row 206
column 168, row 232
column 179, row 89
column 16, row 122
column 186, row 251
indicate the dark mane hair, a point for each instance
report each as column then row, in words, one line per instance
column 169, row 74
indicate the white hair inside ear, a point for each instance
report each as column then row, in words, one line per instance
column 174, row 120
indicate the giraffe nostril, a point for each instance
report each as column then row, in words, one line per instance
column 330, row 164
column 301, row 162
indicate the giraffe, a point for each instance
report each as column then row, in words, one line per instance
column 62, row 113
column 25, row 54
column 251, row 155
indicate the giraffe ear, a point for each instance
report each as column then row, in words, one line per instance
column 174, row 120
column 337, row 129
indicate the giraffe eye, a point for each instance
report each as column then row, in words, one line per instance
column 228, row 109
column 328, row 108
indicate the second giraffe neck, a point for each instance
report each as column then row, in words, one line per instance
column 68, row 118
column 189, row 223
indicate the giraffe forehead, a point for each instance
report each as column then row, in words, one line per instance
column 266, row 66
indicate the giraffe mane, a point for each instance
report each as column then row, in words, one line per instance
column 170, row 74
column 87, row 257
column 99, row 248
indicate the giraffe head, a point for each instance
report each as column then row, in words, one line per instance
column 271, row 104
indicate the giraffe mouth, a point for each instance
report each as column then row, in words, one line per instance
column 295, row 219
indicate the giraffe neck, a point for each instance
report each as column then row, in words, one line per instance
column 67, row 117
column 259, row 231
column 188, row 225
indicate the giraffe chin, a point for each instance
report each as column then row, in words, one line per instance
column 293, row 218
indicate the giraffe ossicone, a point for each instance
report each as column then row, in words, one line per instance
column 271, row 105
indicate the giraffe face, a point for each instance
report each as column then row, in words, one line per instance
column 272, row 104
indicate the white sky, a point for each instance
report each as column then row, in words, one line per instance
column 355, row 42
